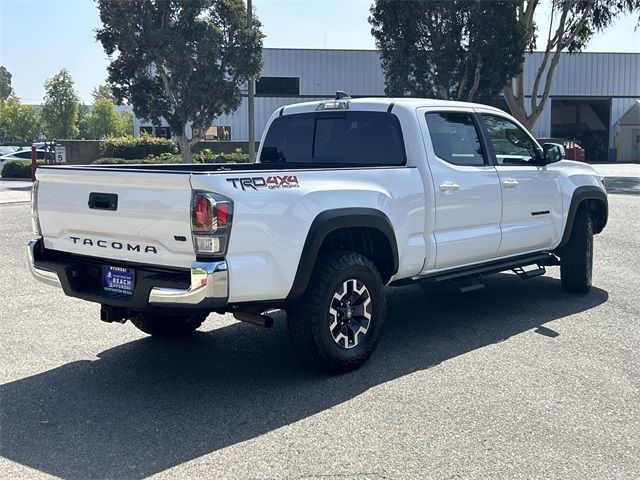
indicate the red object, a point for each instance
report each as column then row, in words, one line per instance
column 574, row 151
column 34, row 163
column 222, row 214
column 202, row 220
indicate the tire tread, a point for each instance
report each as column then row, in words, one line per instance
column 306, row 316
column 574, row 273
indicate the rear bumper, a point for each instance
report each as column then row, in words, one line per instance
column 45, row 276
column 209, row 285
column 204, row 287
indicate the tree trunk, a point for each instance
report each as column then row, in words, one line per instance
column 185, row 149
column 516, row 105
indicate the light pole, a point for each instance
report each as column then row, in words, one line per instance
column 250, row 89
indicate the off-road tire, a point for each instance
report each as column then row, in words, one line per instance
column 309, row 319
column 168, row 326
column 576, row 258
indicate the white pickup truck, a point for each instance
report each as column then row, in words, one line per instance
column 348, row 195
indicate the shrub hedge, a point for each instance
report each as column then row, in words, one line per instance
column 205, row 156
column 132, row 148
column 208, row 156
column 123, row 161
column 18, row 169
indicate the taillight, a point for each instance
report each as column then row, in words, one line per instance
column 223, row 213
column 211, row 217
column 202, row 215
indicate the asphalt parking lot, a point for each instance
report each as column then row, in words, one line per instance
column 515, row 381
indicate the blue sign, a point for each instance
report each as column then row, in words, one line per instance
column 118, row 280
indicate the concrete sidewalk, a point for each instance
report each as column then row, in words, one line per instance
column 14, row 191
column 618, row 169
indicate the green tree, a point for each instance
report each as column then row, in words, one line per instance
column 60, row 109
column 181, row 60
column 103, row 91
column 447, row 48
column 18, row 123
column 104, row 121
column 571, row 25
column 83, row 121
column 5, row 83
column 125, row 123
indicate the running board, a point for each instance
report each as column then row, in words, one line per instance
column 472, row 278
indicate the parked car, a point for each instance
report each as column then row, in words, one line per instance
column 348, row 196
column 25, row 154
column 22, row 155
column 8, row 149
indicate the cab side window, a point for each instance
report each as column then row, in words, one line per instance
column 511, row 144
column 455, row 138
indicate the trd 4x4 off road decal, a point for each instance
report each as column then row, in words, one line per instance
column 272, row 182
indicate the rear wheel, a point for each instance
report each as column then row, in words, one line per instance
column 336, row 325
column 168, row 326
column 576, row 259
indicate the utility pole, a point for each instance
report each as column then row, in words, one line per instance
column 250, row 90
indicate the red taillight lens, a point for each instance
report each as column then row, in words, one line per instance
column 223, row 214
column 202, row 218
column 211, row 218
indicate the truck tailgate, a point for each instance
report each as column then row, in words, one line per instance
column 149, row 224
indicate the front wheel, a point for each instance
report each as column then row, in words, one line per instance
column 576, row 259
column 336, row 325
column 168, row 326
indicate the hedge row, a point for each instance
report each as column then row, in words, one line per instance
column 132, row 148
column 18, row 169
column 205, row 156
column 123, row 161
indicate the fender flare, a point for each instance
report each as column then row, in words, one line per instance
column 330, row 220
column 580, row 194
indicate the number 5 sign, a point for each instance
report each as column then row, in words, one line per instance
column 61, row 154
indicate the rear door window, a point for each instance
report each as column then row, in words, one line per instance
column 455, row 138
column 358, row 138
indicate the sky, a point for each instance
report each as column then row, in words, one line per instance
column 40, row 37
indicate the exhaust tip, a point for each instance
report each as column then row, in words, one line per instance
column 254, row 319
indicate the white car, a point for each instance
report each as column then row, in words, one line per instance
column 348, row 196
column 25, row 154
column 22, row 155
column 8, row 149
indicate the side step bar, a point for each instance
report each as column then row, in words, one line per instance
column 469, row 284
column 472, row 278
column 526, row 274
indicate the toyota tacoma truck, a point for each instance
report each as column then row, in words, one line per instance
column 347, row 196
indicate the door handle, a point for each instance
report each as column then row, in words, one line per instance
column 449, row 187
column 510, row 183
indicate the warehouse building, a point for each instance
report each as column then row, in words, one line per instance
column 589, row 95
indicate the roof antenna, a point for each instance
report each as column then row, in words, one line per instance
column 340, row 95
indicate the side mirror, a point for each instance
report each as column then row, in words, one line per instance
column 553, row 152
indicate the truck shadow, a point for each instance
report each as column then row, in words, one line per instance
column 149, row 405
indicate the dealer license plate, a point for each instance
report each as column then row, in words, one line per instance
column 118, row 280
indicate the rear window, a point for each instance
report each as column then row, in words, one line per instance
column 362, row 138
